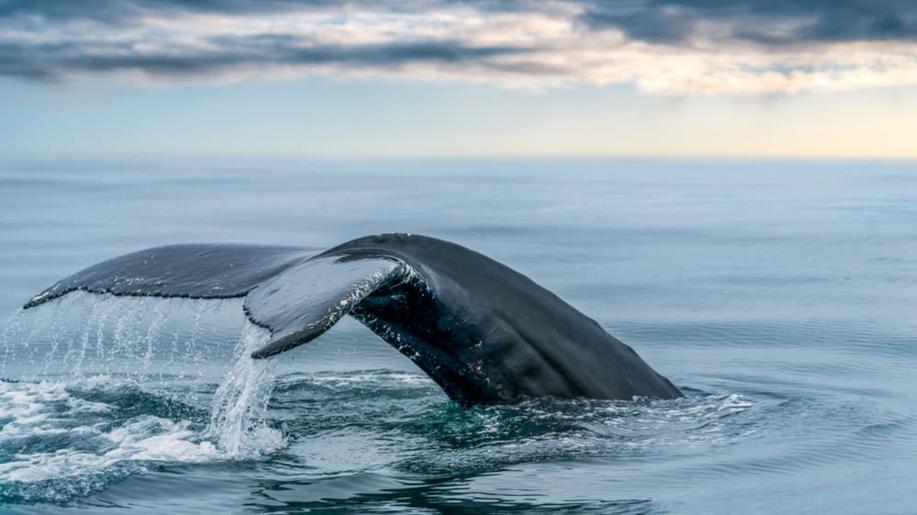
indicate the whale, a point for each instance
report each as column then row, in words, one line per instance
column 483, row 332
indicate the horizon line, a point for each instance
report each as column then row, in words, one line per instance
column 450, row 156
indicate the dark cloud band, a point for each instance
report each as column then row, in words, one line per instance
column 764, row 22
column 50, row 62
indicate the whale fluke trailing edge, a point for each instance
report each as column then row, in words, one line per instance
column 482, row 331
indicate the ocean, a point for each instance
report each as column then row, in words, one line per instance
column 780, row 296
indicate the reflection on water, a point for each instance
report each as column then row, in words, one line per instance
column 778, row 296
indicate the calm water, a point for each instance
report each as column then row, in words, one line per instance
column 781, row 297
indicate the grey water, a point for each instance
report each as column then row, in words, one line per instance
column 780, row 296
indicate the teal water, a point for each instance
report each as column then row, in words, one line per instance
column 780, row 296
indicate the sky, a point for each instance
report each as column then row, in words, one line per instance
column 657, row 78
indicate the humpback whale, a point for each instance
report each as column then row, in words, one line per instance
column 482, row 331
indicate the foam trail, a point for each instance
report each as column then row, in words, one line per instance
column 240, row 403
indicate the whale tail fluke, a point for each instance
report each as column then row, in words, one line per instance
column 482, row 331
column 295, row 297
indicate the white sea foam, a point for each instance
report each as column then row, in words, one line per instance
column 47, row 408
column 373, row 377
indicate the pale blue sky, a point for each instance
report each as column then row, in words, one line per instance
column 380, row 117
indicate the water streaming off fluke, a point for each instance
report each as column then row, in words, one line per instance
column 240, row 403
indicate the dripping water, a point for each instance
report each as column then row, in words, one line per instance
column 159, row 346
column 239, row 406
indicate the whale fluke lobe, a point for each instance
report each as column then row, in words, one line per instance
column 482, row 331
column 305, row 300
column 195, row 271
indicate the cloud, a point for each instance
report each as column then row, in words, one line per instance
column 764, row 22
column 52, row 61
column 660, row 46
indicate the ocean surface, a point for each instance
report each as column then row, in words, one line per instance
column 781, row 297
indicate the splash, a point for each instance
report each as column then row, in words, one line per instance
column 240, row 403
column 130, row 357
column 106, row 387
